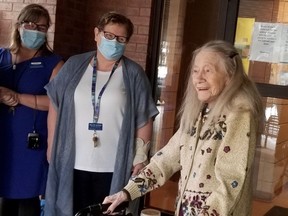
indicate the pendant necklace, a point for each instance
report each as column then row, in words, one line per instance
column 15, row 62
column 14, row 66
column 95, row 139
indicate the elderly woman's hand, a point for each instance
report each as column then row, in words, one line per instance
column 8, row 96
column 115, row 200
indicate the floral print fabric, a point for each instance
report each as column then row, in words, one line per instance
column 215, row 165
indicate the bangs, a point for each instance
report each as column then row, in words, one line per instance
column 34, row 15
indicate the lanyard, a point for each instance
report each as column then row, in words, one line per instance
column 96, row 104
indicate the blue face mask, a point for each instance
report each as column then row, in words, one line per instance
column 111, row 49
column 32, row 39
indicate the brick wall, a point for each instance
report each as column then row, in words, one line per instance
column 70, row 24
column 9, row 10
column 72, row 31
column 78, row 19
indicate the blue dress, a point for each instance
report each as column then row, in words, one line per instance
column 23, row 171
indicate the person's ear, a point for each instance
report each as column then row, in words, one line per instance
column 96, row 33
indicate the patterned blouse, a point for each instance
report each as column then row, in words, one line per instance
column 215, row 162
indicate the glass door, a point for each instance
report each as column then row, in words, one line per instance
column 187, row 24
column 166, row 91
column 261, row 38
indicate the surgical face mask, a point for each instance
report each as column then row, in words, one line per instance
column 111, row 49
column 32, row 39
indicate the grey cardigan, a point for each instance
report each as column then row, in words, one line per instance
column 138, row 109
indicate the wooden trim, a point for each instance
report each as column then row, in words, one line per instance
column 153, row 43
column 270, row 90
column 231, row 20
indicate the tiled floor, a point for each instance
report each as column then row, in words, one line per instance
column 260, row 207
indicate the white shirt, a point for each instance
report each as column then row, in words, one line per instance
column 100, row 158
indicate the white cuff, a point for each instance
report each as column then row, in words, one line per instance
column 141, row 152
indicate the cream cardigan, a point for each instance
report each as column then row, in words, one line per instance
column 215, row 163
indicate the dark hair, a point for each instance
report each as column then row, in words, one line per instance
column 30, row 13
column 116, row 18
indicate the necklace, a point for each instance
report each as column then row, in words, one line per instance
column 14, row 63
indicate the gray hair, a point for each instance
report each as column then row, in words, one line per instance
column 239, row 86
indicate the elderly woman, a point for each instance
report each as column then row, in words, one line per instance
column 215, row 144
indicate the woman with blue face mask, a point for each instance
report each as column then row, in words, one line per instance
column 25, row 68
column 101, row 101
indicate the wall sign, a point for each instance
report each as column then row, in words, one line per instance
column 269, row 43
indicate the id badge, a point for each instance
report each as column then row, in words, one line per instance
column 95, row 126
column 35, row 64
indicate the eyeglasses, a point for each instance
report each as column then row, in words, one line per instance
column 33, row 26
column 111, row 36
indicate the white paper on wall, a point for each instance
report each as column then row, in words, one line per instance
column 266, row 42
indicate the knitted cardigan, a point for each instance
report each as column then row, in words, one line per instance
column 215, row 164
column 138, row 109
